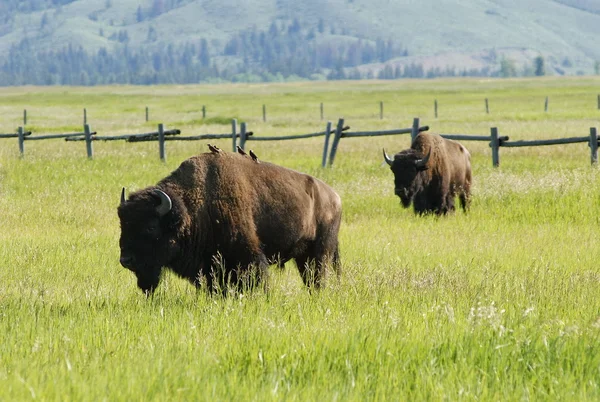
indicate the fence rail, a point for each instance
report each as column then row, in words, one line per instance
column 54, row 136
column 537, row 143
column 15, row 135
column 127, row 137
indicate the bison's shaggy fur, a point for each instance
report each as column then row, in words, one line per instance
column 228, row 218
column 431, row 173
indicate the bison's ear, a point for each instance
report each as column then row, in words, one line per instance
column 421, row 164
column 165, row 203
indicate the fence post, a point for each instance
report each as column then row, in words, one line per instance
column 546, row 105
column 21, row 142
column 265, row 113
column 322, row 107
column 161, row 142
column 487, row 106
column 203, row 111
column 594, row 145
column 25, row 113
column 598, row 102
column 243, row 135
column 234, row 134
column 415, row 129
column 146, row 113
column 381, row 110
column 326, row 145
column 495, row 144
column 84, row 116
column 336, row 140
column 88, row 141
column 435, row 108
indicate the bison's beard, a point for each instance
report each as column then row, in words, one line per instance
column 405, row 201
column 148, row 279
column 405, row 195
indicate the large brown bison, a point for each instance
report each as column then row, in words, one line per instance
column 431, row 173
column 225, row 217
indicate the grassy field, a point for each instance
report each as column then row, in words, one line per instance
column 500, row 304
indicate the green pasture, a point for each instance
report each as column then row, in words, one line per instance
column 502, row 303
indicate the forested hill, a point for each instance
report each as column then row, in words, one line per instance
column 88, row 42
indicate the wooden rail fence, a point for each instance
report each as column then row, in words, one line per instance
column 328, row 155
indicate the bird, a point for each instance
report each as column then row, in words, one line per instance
column 241, row 151
column 214, row 149
column 254, row 157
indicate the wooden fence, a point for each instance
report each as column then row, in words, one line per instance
column 328, row 155
column 381, row 108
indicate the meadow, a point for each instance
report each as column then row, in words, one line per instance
column 502, row 303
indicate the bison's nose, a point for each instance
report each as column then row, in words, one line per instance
column 127, row 261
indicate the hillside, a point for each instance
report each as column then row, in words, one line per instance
column 451, row 37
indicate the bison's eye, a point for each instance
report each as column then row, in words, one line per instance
column 152, row 229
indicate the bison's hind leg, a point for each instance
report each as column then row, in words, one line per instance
column 465, row 201
column 313, row 264
column 336, row 262
column 312, row 273
column 465, row 193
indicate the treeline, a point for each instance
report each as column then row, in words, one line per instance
column 189, row 63
column 71, row 65
column 289, row 49
column 285, row 51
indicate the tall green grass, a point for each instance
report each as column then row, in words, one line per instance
column 499, row 304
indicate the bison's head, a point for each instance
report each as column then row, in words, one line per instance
column 148, row 236
column 406, row 167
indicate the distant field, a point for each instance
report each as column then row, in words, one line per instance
column 499, row 304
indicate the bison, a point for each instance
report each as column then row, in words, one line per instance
column 225, row 218
column 431, row 173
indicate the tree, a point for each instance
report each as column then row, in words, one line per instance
column 507, row 68
column 539, row 66
column 204, row 53
column 321, row 25
column 597, row 67
column 151, row 36
column 44, row 20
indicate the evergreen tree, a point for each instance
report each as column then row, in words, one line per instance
column 507, row 68
column 539, row 66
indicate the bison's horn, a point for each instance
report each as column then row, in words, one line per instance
column 421, row 163
column 165, row 203
column 387, row 158
column 123, row 196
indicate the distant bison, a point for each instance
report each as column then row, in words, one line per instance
column 225, row 218
column 431, row 173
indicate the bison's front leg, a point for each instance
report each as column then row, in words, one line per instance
column 253, row 274
column 241, row 273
